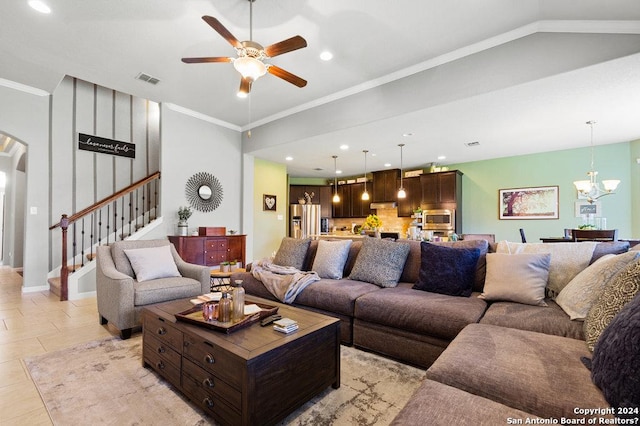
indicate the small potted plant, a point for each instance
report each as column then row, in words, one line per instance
column 233, row 265
column 373, row 223
column 225, row 267
column 184, row 213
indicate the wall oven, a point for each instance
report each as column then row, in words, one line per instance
column 439, row 220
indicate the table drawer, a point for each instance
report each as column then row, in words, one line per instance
column 216, row 245
column 210, row 383
column 215, row 257
column 165, row 352
column 213, row 359
column 162, row 366
column 163, row 330
column 212, row 404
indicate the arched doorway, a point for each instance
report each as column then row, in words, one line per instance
column 13, row 155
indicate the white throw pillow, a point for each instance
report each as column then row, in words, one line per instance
column 577, row 298
column 330, row 259
column 152, row 263
column 518, row 278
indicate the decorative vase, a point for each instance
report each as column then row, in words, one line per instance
column 376, row 232
column 183, row 228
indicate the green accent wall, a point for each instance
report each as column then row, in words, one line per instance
column 269, row 227
column 483, row 179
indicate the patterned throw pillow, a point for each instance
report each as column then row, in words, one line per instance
column 447, row 270
column 584, row 289
column 380, row 262
column 292, row 252
column 616, row 358
column 330, row 258
column 618, row 292
column 519, row 278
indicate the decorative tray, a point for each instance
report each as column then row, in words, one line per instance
column 194, row 316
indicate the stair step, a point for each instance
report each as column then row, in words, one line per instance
column 54, row 285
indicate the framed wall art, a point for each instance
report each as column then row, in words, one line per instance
column 269, row 203
column 539, row 202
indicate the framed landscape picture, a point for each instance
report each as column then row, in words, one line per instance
column 539, row 202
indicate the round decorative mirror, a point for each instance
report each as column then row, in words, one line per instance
column 204, row 192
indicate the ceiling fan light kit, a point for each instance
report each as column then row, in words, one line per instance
column 251, row 55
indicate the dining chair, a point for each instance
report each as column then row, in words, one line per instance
column 594, row 234
column 522, row 237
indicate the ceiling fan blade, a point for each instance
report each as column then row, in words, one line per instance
column 245, row 86
column 209, row 59
column 288, row 45
column 287, row 76
column 216, row 25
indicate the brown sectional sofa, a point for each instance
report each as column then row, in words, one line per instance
column 502, row 360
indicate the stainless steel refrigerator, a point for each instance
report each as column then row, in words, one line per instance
column 304, row 220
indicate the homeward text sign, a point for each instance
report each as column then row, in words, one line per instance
column 106, row 146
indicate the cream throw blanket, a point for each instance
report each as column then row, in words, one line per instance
column 284, row 282
column 567, row 259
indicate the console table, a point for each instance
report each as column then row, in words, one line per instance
column 211, row 250
column 252, row 376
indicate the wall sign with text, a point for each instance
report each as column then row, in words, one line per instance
column 106, row 146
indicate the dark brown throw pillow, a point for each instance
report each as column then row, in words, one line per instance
column 615, row 366
column 447, row 270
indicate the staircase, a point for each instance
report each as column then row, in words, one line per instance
column 127, row 214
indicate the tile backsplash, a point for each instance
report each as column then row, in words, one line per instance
column 389, row 217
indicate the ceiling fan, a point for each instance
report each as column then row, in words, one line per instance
column 250, row 61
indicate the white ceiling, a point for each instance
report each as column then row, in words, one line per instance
column 427, row 66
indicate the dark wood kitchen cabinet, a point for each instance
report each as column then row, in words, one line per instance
column 384, row 185
column 351, row 204
column 441, row 188
column 323, row 195
column 413, row 188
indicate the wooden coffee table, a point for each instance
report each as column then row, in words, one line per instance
column 252, row 376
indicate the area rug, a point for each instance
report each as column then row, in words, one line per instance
column 103, row 382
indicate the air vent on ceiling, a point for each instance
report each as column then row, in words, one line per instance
column 146, row 77
column 476, row 143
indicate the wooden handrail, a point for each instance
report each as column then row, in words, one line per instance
column 107, row 200
column 65, row 221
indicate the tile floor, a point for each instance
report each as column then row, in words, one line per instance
column 32, row 324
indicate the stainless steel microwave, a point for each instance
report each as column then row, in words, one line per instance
column 439, row 220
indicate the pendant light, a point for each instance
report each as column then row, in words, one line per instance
column 336, row 197
column 365, row 194
column 401, row 192
column 590, row 189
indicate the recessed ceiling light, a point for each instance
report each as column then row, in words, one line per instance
column 338, row 172
column 442, row 157
column 40, row 6
column 326, row 55
column 387, row 164
column 407, row 135
column 344, row 147
column 289, row 158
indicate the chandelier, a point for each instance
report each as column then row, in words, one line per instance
column 590, row 189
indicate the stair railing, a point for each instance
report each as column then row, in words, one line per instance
column 124, row 213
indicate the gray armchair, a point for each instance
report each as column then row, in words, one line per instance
column 121, row 297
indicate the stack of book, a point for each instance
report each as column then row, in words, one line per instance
column 285, row 325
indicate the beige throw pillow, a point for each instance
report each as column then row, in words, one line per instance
column 152, row 263
column 584, row 289
column 567, row 259
column 518, row 278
